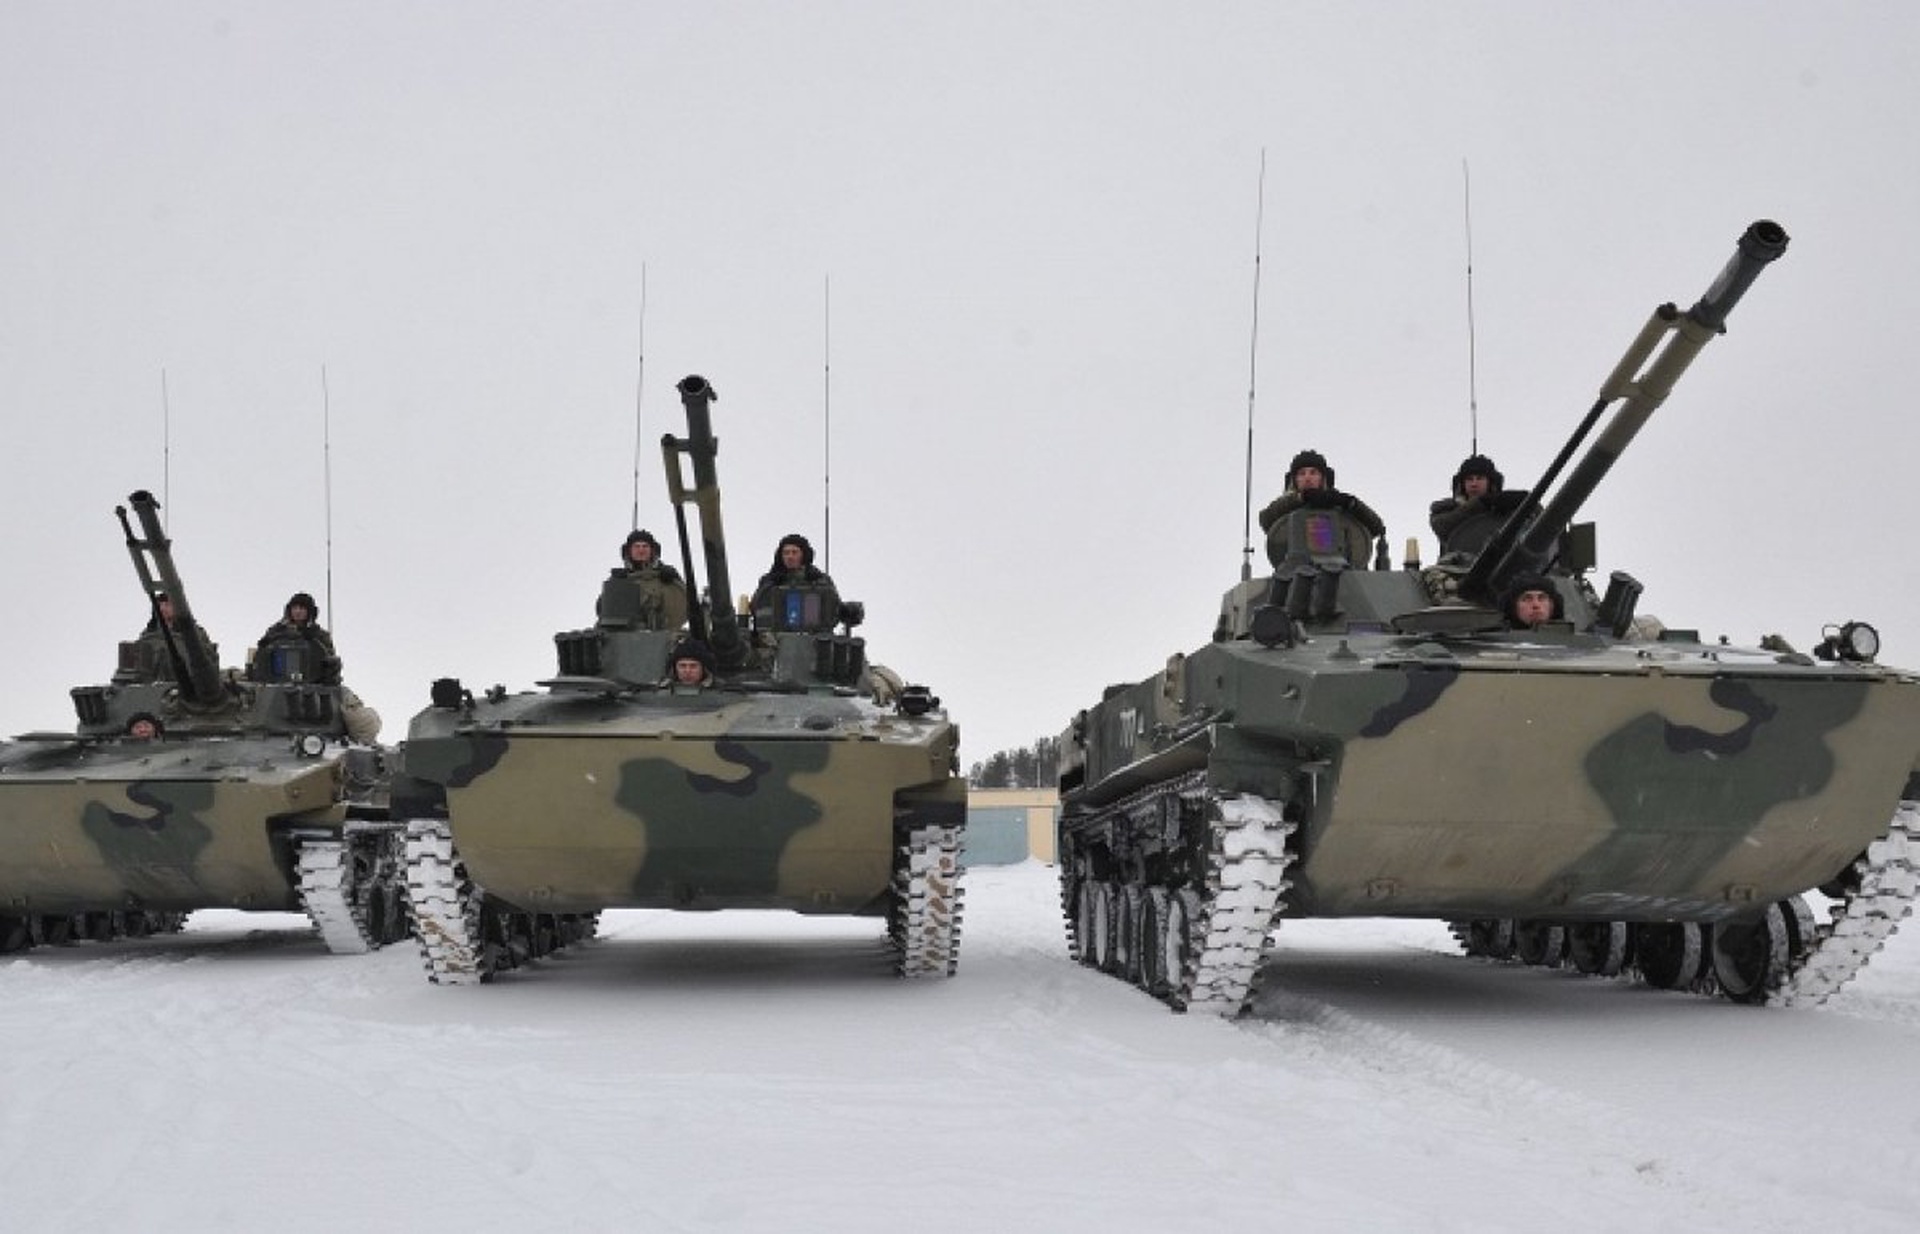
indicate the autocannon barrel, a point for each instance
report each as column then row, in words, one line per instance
column 1527, row 540
column 697, row 396
column 152, row 554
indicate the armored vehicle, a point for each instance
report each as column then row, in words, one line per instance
column 184, row 787
column 1593, row 790
column 797, row 777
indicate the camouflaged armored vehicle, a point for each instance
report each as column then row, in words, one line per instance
column 800, row 777
column 1584, row 792
column 184, row 788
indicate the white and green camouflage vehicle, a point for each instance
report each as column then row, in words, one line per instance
column 1592, row 792
column 800, row 778
column 248, row 795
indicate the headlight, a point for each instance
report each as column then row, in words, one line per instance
column 1854, row 641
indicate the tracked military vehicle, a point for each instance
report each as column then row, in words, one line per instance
column 800, row 777
column 185, row 788
column 1591, row 791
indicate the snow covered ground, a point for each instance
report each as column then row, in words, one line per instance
column 753, row 1071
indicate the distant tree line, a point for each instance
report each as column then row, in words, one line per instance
column 1034, row 766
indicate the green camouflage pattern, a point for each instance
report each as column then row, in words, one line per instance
column 166, row 826
column 718, row 798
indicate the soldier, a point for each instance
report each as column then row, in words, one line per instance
column 1465, row 521
column 143, row 727
column 794, row 574
column 1310, row 484
column 657, row 600
column 1530, row 600
column 299, row 626
column 163, row 631
column 692, row 663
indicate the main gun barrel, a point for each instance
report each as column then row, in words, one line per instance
column 697, row 396
column 152, row 554
column 1527, row 540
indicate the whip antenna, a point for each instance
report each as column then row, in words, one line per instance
column 1253, row 368
column 639, row 386
column 826, row 432
column 326, row 481
column 1473, row 390
column 166, row 448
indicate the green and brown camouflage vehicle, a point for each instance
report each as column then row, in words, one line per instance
column 800, row 777
column 184, row 787
column 1593, row 791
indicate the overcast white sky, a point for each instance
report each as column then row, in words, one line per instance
column 1038, row 223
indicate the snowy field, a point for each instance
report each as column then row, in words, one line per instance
column 752, row 1071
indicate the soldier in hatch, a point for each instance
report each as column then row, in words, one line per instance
column 692, row 665
column 794, row 594
column 164, row 638
column 1310, row 484
column 299, row 628
column 657, row 599
column 1464, row 522
column 1530, row 600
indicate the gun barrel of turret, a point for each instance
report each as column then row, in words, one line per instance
column 1686, row 334
column 697, row 396
column 1761, row 244
column 153, row 561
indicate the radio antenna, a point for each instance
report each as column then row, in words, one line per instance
column 326, row 482
column 1253, row 369
column 826, row 431
column 166, row 449
column 1473, row 388
column 639, row 388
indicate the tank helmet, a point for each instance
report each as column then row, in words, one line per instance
column 304, row 600
column 637, row 536
column 1309, row 458
column 1478, row 465
column 794, row 538
column 692, row 649
column 1524, row 582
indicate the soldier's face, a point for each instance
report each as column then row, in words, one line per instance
column 791, row 556
column 640, row 552
column 1475, row 486
column 166, row 611
column 1532, row 608
column 688, row 672
column 1309, row 477
column 298, row 614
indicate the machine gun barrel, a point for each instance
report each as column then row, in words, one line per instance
column 1526, row 541
column 152, row 555
column 697, row 396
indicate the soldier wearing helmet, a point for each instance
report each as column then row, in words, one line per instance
column 1464, row 521
column 1531, row 600
column 795, row 594
column 691, row 665
column 643, row 590
column 1310, row 485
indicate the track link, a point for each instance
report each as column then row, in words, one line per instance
column 1882, row 886
column 326, row 885
column 924, row 925
column 1210, row 908
column 446, row 907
